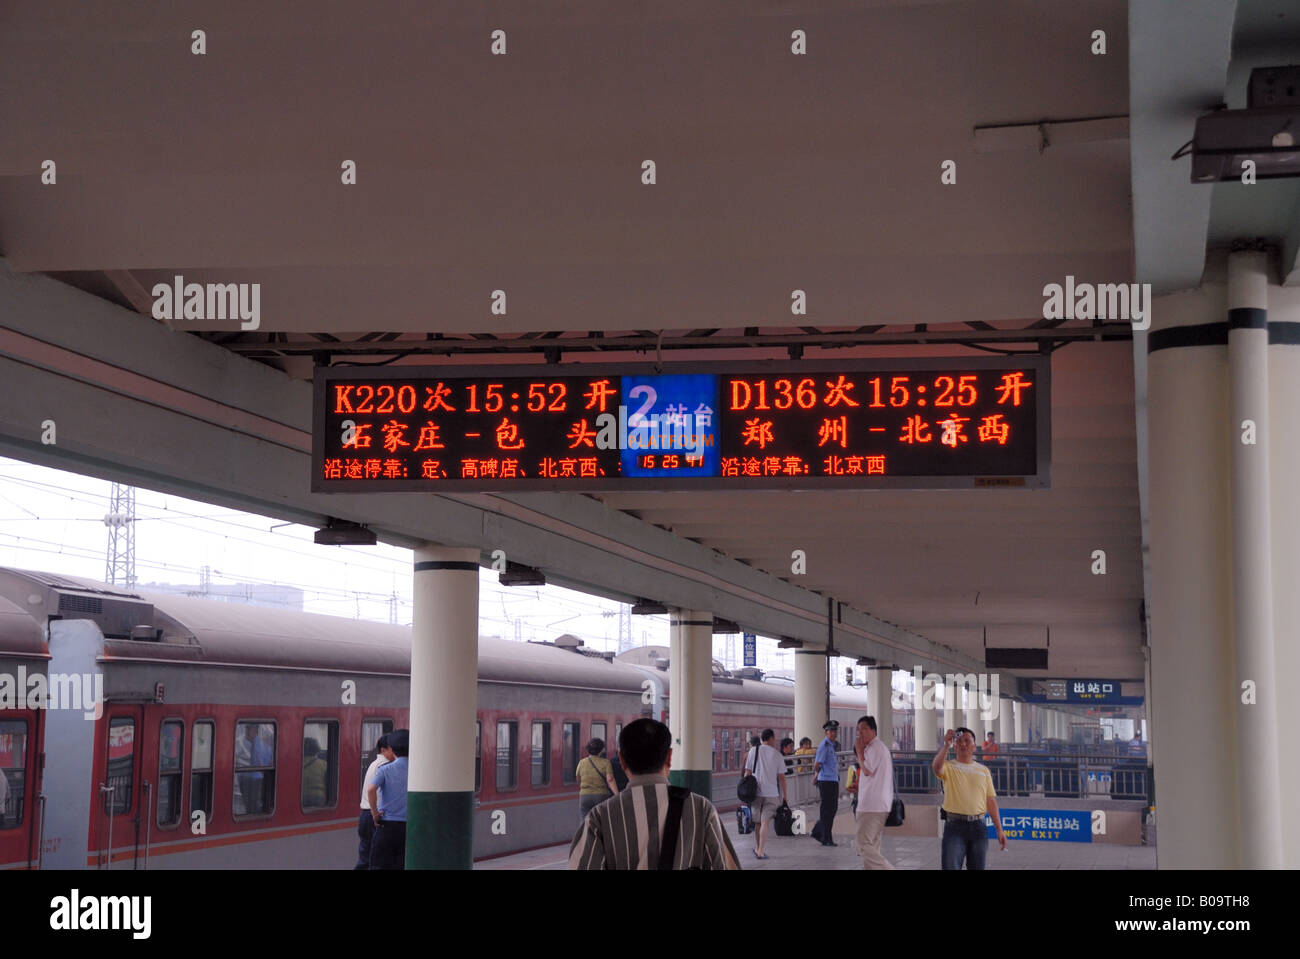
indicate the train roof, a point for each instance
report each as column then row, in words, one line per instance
column 214, row 632
column 194, row 629
column 20, row 635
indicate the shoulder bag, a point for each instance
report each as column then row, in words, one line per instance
column 747, row 788
column 591, row 760
column 668, row 848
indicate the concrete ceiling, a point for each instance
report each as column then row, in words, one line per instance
column 522, row 173
column 1188, row 58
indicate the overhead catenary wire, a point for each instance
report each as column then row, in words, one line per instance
column 171, row 514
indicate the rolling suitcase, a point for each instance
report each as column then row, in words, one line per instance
column 744, row 820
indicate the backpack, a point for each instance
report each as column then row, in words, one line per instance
column 744, row 820
column 747, row 788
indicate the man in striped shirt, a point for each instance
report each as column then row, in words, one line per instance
column 626, row 832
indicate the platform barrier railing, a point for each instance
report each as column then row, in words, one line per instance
column 1016, row 771
column 1076, row 775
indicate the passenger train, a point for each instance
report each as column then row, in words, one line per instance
column 235, row 736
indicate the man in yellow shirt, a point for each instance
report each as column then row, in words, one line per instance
column 967, row 795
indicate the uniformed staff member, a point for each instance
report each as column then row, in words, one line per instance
column 826, row 769
column 386, row 796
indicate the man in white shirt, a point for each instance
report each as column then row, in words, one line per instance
column 768, row 766
column 366, row 823
column 875, row 793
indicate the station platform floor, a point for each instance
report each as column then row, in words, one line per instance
column 905, row 852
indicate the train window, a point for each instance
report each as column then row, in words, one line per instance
column 736, row 747
column 541, row 754
column 478, row 754
column 598, row 732
column 171, row 750
column 371, row 730
column 618, row 734
column 121, row 766
column 726, row 749
column 254, row 769
column 13, row 772
column 507, row 755
column 571, row 733
column 320, row 764
column 201, row 768
column 714, row 758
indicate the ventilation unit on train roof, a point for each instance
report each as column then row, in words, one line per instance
column 116, row 617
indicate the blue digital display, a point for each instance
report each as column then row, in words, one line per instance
column 672, row 424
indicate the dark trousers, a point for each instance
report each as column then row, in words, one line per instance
column 968, row 841
column 830, row 793
column 388, row 848
column 366, row 833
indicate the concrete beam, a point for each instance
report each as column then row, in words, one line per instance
column 1178, row 65
column 136, row 402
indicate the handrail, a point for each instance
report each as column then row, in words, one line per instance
column 40, row 849
column 1016, row 772
column 105, row 788
column 148, row 820
column 1049, row 775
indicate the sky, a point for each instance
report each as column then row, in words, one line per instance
column 53, row 521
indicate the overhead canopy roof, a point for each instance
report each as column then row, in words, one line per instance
column 523, row 173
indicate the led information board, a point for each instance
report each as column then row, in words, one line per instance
column 934, row 423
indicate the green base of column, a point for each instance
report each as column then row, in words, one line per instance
column 696, row 780
column 440, row 830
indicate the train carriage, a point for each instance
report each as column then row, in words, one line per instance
column 22, row 656
column 233, row 736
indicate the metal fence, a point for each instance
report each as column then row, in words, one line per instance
column 1075, row 775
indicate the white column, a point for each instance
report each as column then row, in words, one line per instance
column 1146, row 704
column 1006, row 722
column 952, row 717
column 1021, row 712
column 810, row 694
column 879, row 690
column 1252, row 559
column 444, row 707
column 1284, row 460
column 1192, row 669
column 690, row 703
column 925, row 721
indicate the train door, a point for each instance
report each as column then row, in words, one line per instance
column 19, row 766
column 122, row 805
